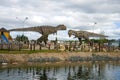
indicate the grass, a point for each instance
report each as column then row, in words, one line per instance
column 28, row 51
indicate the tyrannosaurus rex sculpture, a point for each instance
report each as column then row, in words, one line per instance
column 44, row 30
column 84, row 34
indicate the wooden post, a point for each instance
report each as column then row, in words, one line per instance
column 54, row 45
column 49, row 46
column 19, row 46
column 70, row 45
column 9, row 47
column 34, row 46
column 40, row 47
column 30, row 46
column 2, row 44
column 99, row 47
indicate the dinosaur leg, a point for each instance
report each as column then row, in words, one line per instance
column 43, row 38
column 80, row 40
column 39, row 40
column 90, row 43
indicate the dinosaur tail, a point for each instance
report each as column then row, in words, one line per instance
column 97, row 35
column 24, row 29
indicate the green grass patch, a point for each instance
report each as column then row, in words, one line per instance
column 28, row 51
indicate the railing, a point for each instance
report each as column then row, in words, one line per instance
column 69, row 46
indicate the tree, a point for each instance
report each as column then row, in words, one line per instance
column 22, row 38
column 99, row 40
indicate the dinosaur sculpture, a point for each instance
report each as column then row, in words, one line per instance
column 44, row 30
column 84, row 34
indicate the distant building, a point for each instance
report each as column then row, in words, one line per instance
column 5, row 36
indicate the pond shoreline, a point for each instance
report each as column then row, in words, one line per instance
column 59, row 57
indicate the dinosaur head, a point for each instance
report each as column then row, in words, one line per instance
column 70, row 32
column 61, row 27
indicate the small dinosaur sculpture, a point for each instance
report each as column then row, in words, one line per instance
column 84, row 34
column 44, row 30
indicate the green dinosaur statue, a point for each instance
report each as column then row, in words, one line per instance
column 44, row 30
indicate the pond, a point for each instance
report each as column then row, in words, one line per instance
column 63, row 71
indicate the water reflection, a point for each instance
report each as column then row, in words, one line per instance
column 87, row 71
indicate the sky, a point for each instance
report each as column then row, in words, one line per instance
column 75, row 14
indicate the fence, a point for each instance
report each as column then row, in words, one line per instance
column 65, row 46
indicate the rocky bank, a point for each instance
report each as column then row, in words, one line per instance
column 57, row 57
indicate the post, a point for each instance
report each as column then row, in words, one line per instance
column 9, row 47
column 99, row 46
column 34, row 46
column 49, row 46
column 1, row 44
column 70, row 45
column 19, row 46
column 40, row 46
column 30, row 46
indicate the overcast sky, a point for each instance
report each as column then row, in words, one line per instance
column 75, row 14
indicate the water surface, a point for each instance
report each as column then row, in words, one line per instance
column 78, row 71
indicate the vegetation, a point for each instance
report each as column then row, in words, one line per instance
column 100, row 40
column 22, row 38
column 28, row 51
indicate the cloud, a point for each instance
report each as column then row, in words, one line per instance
column 77, row 15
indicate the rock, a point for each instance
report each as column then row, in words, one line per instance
column 104, row 50
column 62, row 48
column 4, row 63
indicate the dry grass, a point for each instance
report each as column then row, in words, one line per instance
column 62, row 55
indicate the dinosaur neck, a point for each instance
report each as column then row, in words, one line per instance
column 58, row 28
column 74, row 33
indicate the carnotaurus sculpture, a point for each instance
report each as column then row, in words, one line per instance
column 44, row 30
column 84, row 34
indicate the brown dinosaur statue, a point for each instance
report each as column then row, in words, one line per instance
column 44, row 30
column 84, row 34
